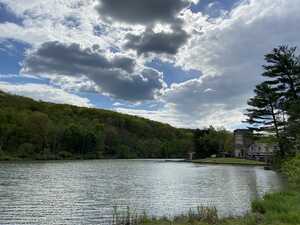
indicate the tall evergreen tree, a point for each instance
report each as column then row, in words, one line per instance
column 277, row 99
column 283, row 69
column 294, row 124
column 263, row 114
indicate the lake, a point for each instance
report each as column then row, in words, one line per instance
column 84, row 192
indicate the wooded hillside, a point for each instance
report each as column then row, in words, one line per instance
column 38, row 130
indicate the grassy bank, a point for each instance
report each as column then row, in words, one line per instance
column 282, row 208
column 230, row 161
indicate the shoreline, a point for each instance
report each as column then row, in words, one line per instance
column 229, row 161
column 277, row 208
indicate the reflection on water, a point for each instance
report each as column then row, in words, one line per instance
column 83, row 192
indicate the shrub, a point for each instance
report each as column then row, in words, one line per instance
column 65, row 155
column 127, row 217
column 292, row 169
column 258, row 207
column 4, row 156
column 26, row 150
column 1, row 153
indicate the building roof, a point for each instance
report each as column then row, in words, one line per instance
column 243, row 131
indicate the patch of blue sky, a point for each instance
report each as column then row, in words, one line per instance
column 98, row 100
column 11, row 55
column 99, row 30
column 214, row 8
column 106, row 102
column 147, row 105
column 72, row 21
column 237, row 126
column 173, row 74
column 6, row 15
column 22, row 79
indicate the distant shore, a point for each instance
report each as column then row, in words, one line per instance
column 229, row 161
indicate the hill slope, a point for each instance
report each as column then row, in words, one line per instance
column 38, row 130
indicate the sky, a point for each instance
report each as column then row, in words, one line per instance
column 189, row 63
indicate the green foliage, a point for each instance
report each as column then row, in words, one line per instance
column 292, row 169
column 201, row 216
column 65, row 155
column 212, row 142
column 282, row 208
column 229, row 161
column 294, row 124
column 282, row 71
column 204, row 214
column 26, row 150
column 262, row 113
column 39, row 130
column 258, row 207
column 275, row 107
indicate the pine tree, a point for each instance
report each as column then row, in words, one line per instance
column 283, row 69
column 274, row 109
column 263, row 114
column 294, row 124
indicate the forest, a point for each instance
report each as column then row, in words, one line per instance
column 45, row 131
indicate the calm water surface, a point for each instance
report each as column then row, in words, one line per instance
column 84, row 192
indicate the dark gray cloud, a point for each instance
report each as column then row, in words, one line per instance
column 151, row 42
column 148, row 13
column 141, row 11
column 119, row 76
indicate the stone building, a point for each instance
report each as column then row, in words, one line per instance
column 246, row 147
column 262, row 151
column 242, row 142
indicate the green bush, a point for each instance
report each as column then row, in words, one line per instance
column 26, row 150
column 65, row 155
column 4, row 157
column 258, row 207
column 292, row 169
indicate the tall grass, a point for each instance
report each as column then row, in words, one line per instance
column 204, row 214
column 207, row 215
column 128, row 217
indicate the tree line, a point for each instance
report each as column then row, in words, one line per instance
column 275, row 109
column 38, row 130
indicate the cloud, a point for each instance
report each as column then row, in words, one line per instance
column 114, row 74
column 169, row 114
column 148, row 13
column 162, row 42
column 141, row 11
column 77, row 21
column 66, row 21
column 163, row 115
column 45, row 93
column 207, row 101
column 229, row 52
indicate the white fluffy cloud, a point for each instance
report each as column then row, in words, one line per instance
column 229, row 52
column 66, row 21
column 46, row 93
column 169, row 114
